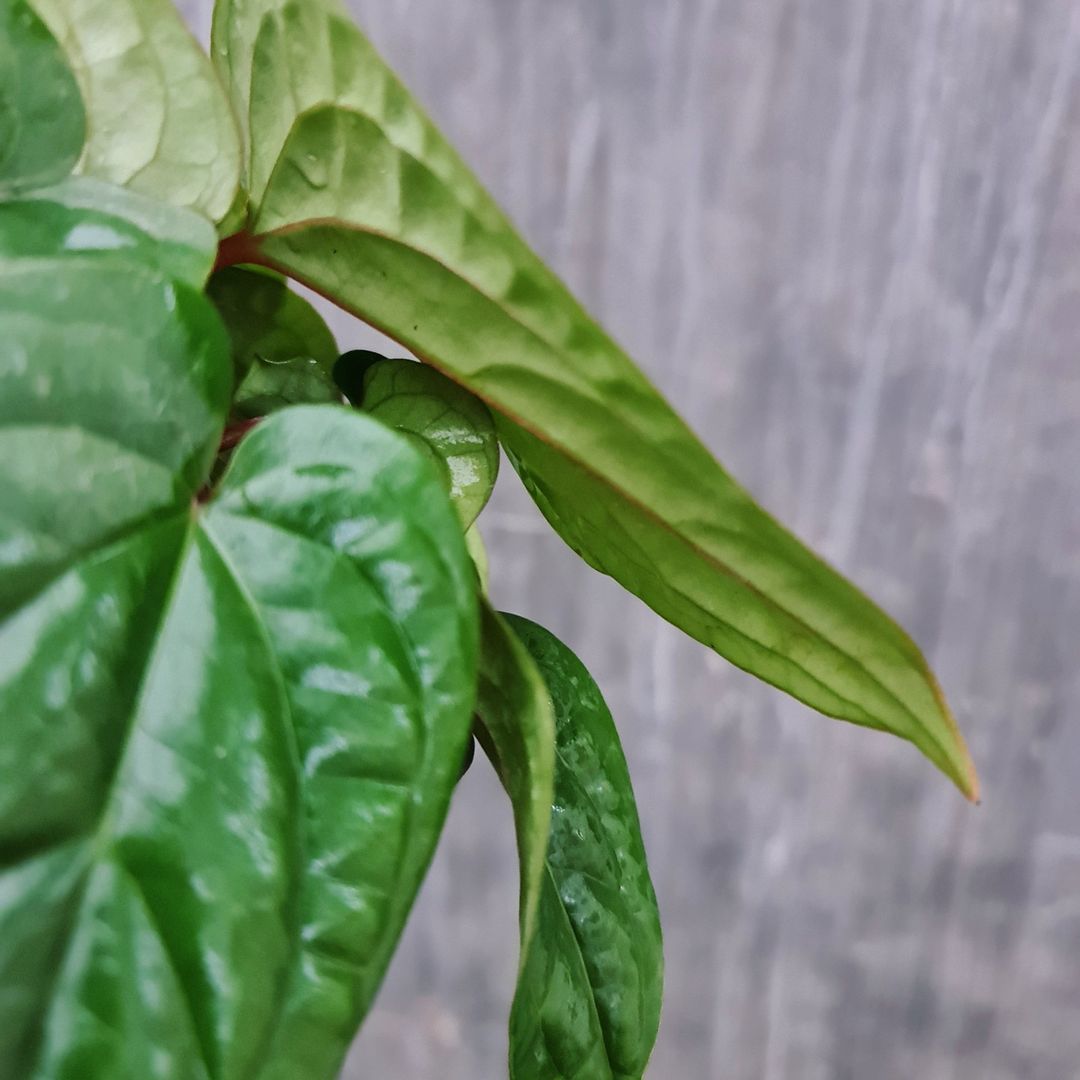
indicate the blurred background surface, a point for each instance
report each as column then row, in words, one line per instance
column 843, row 236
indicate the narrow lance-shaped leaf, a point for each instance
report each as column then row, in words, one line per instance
column 283, row 351
column 159, row 121
column 356, row 194
column 42, row 123
column 455, row 424
column 588, row 998
column 517, row 731
column 231, row 733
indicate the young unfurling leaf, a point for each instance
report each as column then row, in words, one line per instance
column 517, row 731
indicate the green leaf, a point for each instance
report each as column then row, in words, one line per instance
column 456, row 425
column 355, row 194
column 355, row 563
column 42, row 123
column 87, row 452
column 231, row 733
column 474, row 542
column 159, row 121
column 589, row 992
column 517, row 731
column 86, row 218
column 283, row 350
column 279, row 58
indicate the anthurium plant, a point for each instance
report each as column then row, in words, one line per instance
column 245, row 643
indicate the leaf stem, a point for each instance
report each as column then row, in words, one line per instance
column 236, row 431
column 240, row 247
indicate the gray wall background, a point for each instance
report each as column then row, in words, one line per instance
column 843, row 236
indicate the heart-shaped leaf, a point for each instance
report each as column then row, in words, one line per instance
column 356, row 194
column 231, row 733
column 590, row 987
column 517, row 731
column 353, row 560
column 283, row 351
column 42, row 123
column 454, row 423
column 159, row 121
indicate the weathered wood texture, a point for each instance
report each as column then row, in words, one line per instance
column 844, row 238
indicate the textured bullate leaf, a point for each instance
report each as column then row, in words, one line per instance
column 42, row 123
column 354, row 561
column 356, row 194
column 454, row 423
column 283, row 351
column 587, row 1005
column 86, row 218
column 230, row 732
column 159, row 121
column 517, row 731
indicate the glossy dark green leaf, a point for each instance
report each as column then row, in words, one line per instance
column 159, row 121
column 97, row 485
column 517, row 731
column 357, row 568
column 111, row 399
column 356, row 194
column 283, row 350
column 231, row 733
column 86, row 218
column 42, row 123
column 454, row 423
column 587, row 1005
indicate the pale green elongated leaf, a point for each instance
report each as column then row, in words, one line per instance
column 357, row 196
column 587, row 1005
column 456, row 425
column 231, row 732
column 158, row 119
column 86, row 218
column 280, row 58
column 42, row 123
column 283, row 351
column 517, row 731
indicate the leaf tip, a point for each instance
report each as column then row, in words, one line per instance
column 961, row 764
